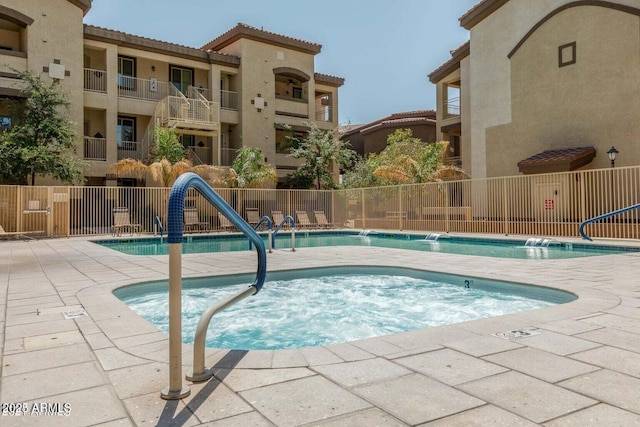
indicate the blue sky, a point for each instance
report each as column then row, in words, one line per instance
column 387, row 44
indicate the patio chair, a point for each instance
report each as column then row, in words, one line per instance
column 192, row 221
column 277, row 217
column 17, row 234
column 253, row 216
column 303, row 220
column 224, row 223
column 122, row 222
column 322, row 220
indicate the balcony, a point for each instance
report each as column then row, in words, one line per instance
column 452, row 107
column 229, row 100
column 95, row 148
column 324, row 114
column 187, row 113
column 292, row 107
column 130, row 150
column 143, row 89
column 95, row 80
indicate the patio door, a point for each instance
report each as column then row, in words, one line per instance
column 181, row 77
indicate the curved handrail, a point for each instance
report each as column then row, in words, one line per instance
column 262, row 221
column 176, row 218
column 257, row 226
column 286, row 219
column 160, row 227
column 174, row 238
column 604, row 216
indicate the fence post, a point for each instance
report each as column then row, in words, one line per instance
column 505, row 192
column 362, row 208
column 400, row 206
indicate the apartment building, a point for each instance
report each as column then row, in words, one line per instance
column 372, row 137
column 240, row 89
column 543, row 86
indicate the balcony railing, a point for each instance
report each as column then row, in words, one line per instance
column 199, row 155
column 229, row 100
column 452, row 107
column 95, row 80
column 228, row 155
column 148, row 90
column 324, row 114
column 130, row 150
column 193, row 113
column 95, row 148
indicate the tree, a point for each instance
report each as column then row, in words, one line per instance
column 405, row 160
column 320, row 150
column 166, row 145
column 251, row 171
column 42, row 140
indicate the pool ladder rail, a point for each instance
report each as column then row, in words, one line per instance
column 603, row 216
column 175, row 390
column 292, row 223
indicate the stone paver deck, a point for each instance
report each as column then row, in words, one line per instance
column 108, row 367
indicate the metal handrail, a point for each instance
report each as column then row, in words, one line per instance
column 159, row 223
column 292, row 222
column 175, row 390
column 267, row 220
column 604, row 216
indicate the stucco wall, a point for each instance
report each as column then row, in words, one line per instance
column 490, row 68
column 256, row 77
column 594, row 102
column 56, row 33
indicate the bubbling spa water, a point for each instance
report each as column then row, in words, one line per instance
column 327, row 309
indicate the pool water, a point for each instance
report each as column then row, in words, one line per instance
column 316, row 307
column 454, row 245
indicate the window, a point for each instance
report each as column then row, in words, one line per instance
column 126, row 133
column 181, row 77
column 126, row 72
column 297, row 92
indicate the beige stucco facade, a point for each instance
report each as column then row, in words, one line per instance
column 548, row 75
column 219, row 97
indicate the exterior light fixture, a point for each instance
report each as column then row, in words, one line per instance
column 612, row 153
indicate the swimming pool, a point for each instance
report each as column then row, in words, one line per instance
column 499, row 248
column 312, row 307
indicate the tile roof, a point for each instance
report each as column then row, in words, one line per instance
column 246, row 31
column 457, row 55
column 480, row 11
column 144, row 43
column 406, row 118
column 328, row 80
column 562, row 160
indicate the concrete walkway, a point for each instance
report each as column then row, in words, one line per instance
column 582, row 367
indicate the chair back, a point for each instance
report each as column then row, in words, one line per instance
column 121, row 217
column 191, row 216
column 303, row 218
column 253, row 215
column 321, row 218
column 277, row 217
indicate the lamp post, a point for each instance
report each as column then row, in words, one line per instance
column 612, row 153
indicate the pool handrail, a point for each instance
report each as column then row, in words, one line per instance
column 267, row 220
column 264, row 219
column 292, row 222
column 157, row 221
column 603, row 216
column 178, row 194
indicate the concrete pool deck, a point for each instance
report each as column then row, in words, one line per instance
column 581, row 365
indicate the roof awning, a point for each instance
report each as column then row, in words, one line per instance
column 564, row 160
